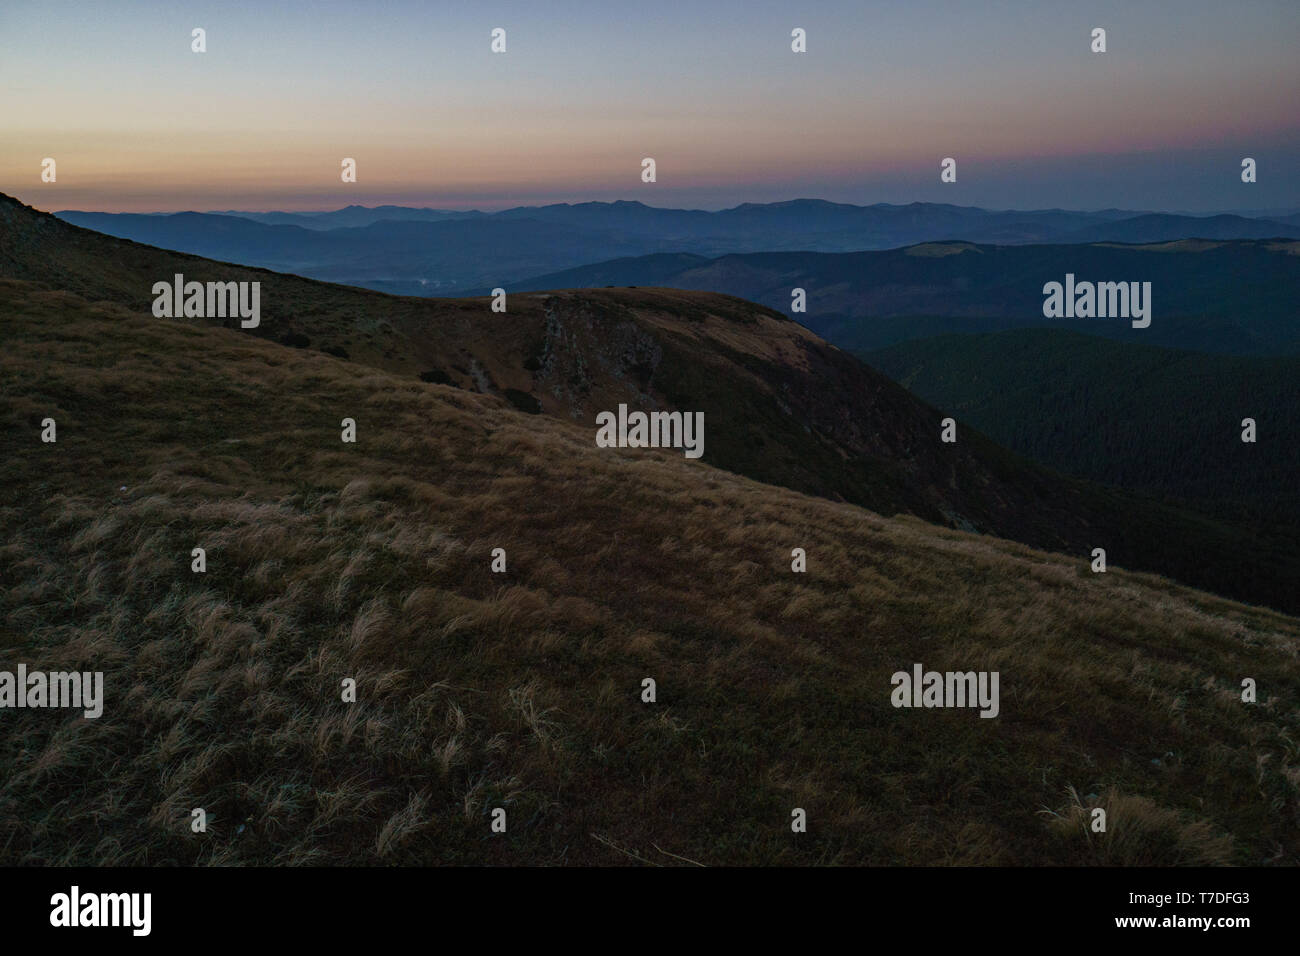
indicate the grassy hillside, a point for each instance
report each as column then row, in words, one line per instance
column 521, row 690
column 1159, row 420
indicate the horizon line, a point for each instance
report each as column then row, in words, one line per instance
column 1238, row 211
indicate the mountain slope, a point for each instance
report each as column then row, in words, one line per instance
column 1231, row 297
column 780, row 405
column 521, row 690
column 1119, row 412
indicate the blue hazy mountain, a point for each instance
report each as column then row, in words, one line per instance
column 432, row 251
column 351, row 216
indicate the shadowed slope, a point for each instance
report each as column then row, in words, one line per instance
column 1162, row 421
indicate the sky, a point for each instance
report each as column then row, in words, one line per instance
column 137, row 122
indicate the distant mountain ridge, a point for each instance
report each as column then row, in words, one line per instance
column 796, row 212
column 416, row 251
column 354, row 215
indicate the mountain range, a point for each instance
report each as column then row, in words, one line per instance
column 440, row 252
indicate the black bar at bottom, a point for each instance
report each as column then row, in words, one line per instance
column 627, row 906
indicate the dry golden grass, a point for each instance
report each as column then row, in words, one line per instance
column 522, row 690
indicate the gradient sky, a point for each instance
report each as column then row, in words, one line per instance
column 711, row 90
